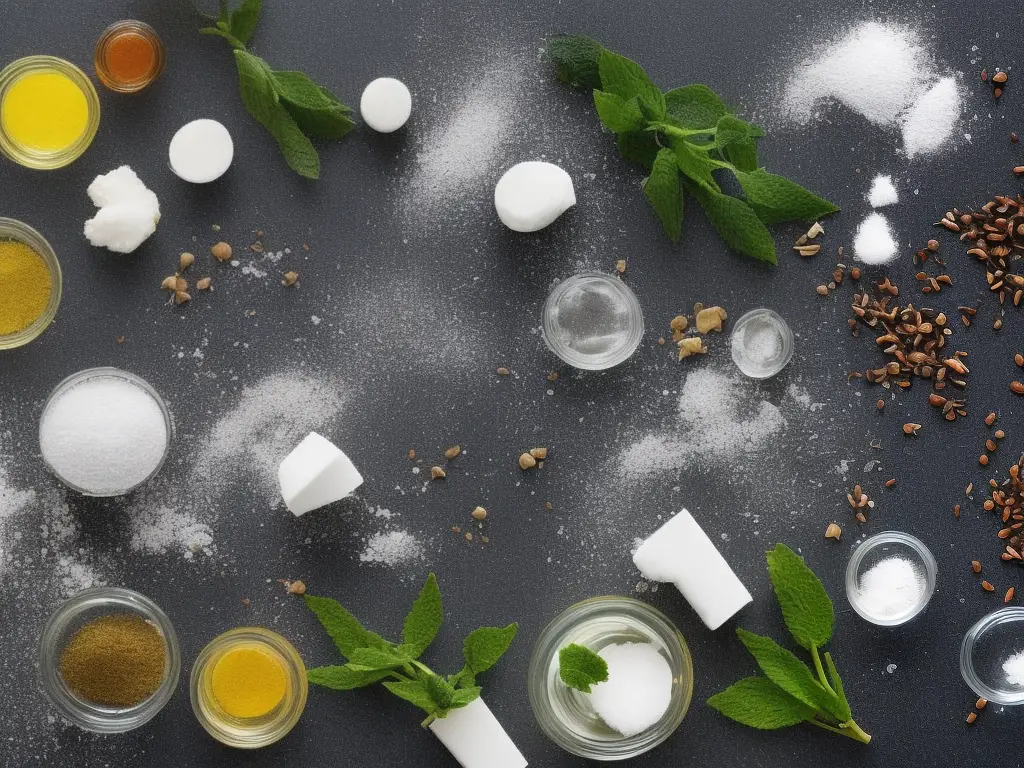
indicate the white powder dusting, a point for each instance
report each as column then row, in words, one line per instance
column 1013, row 667
column 931, row 121
column 874, row 243
column 392, row 548
column 160, row 529
column 890, row 588
column 883, row 192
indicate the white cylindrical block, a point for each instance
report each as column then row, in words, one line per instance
column 680, row 552
column 476, row 739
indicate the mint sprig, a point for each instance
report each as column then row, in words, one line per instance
column 580, row 668
column 688, row 132
column 790, row 692
column 288, row 104
column 371, row 659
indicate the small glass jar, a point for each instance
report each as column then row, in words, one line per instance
column 46, row 160
column 565, row 715
column 987, row 647
column 114, row 41
column 881, row 547
column 762, row 344
column 592, row 321
column 93, row 373
column 72, row 615
column 248, row 733
column 11, row 229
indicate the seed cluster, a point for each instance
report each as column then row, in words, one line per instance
column 1007, row 501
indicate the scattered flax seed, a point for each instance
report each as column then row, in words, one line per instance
column 539, row 453
column 469, row 536
column 980, row 703
column 971, row 717
column 620, row 266
column 204, row 284
column 999, row 77
column 1019, row 360
column 956, row 510
column 822, row 290
column 412, row 453
column 1009, row 595
column 552, row 376
column 855, row 273
column 185, row 261
column 983, row 460
column 221, row 251
column 911, row 429
column 990, row 445
column 181, row 297
column 990, row 419
column 1017, row 387
column 437, row 473
column 169, row 283
column 296, row 587
column 976, row 566
column 968, row 489
column 833, row 531
column 987, row 586
column 861, row 517
column 880, row 405
column 452, row 452
column 890, row 482
column 661, row 340
column 526, row 461
column 1000, row 434
column 479, row 513
column 289, row 279
column 502, row 372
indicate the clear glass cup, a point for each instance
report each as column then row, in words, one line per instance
column 91, row 373
column 565, row 715
column 986, row 648
column 592, row 321
column 12, row 229
column 71, row 616
column 762, row 344
column 117, row 31
column 248, row 733
column 881, row 547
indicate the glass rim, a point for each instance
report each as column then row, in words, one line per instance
column 866, row 547
column 971, row 638
column 788, row 341
column 19, row 231
column 109, row 34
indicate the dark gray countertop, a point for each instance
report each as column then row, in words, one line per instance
column 416, row 307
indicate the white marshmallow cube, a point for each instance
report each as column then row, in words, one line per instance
column 476, row 739
column 316, row 473
column 201, row 151
column 533, row 194
column 680, row 552
column 385, row 104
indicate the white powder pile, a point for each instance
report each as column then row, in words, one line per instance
column 392, row 548
column 1013, row 668
column 883, row 192
column 891, row 588
column 930, row 122
column 762, row 343
column 105, row 435
column 160, row 529
column 12, row 502
column 874, row 243
column 638, row 690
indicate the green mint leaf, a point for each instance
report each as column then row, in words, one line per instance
column 736, row 140
column 576, row 60
column 376, row 659
column 837, row 686
column 424, row 620
column 261, row 100
column 344, row 678
column 806, row 607
column 694, row 106
column 440, row 691
column 299, row 89
column 743, row 154
column 627, row 79
column 694, row 163
column 789, row 673
column 317, row 111
column 483, row 647
column 465, row 696
column 244, row 19
column 760, row 703
column 776, row 199
column 415, row 692
column 736, row 222
column 579, row 667
column 617, row 114
column 664, row 193
column 344, row 628
column 639, row 147
column 321, row 123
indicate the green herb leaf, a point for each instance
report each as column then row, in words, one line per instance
column 344, row 678
column 639, row 147
column 376, row 659
column 837, row 686
column 465, row 696
column 617, row 114
column 321, row 123
column 664, row 194
column 694, row 106
column 576, row 60
column 299, row 89
column 424, row 620
column 695, row 164
column 483, row 647
column 776, row 199
column 415, row 692
column 759, row 703
column 626, row 79
column 245, row 18
column 440, row 690
column 736, row 222
column 806, row 607
column 737, row 140
column 344, row 628
column 579, row 667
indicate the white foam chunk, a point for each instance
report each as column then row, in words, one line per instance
column 122, row 185
column 929, row 123
column 883, row 192
column 638, row 690
column 386, row 104
column 531, row 195
column 121, row 227
column 874, row 243
column 476, row 739
column 201, row 151
column 681, row 553
column 316, row 473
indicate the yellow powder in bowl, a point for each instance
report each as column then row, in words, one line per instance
column 248, row 682
column 25, row 286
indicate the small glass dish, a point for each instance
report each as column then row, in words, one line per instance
column 91, row 373
column 249, row 733
column 565, row 715
column 12, row 229
column 883, row 546
column 71, row 616
column 762, row 344
column 986, row 651
column 48, row 160
column 119, row 33
column 592, row 321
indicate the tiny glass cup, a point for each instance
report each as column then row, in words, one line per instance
column 762, row 344
column 881, row 547
column 119, row 33
column 992, row 657
column 17, row 231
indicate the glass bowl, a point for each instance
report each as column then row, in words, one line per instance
column 881, row 547
column 86, row 375
column 986, row 647
column 47, row 160
column 248, row 733
column 749, row 335
column 563, row 336
column 74, row 613
column 121, row 29
column 565, row 715
column 11, row 229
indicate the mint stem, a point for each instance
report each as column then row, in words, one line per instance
column 682, row 133
column 849, row 729
column 820, row 670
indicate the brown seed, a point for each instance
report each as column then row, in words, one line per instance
column 502, row 372
column 987, row 587
column 1009, row 595
column 989, row 505
column 1019, row 170
column 221, row 251
column 990, row 445
column 833, row 531
column 180, row 284
column 911, row 428
column 289, row 279
column 479, row 513
column 999, row 77
column 526, row 461
column 937, row 400
column 980, row 703
column 975, row 566
column 169, row 283
column 822, row 290
column 880, row 405
column 679, row 323
column 855, row 273
column 956, row 510
column 1017, row 387
column 539, row 453
column 890, row 482
column 998, row 92
column 469, row 536
column 553, row 376
column 861, row 518
column 968, row 489
column 452, row 452
column 1000, row 434
column 412, row 453
column 1019, row 359
column 933, row 245
column 971, row 717
column 437, row 473
column 204, row 283
column 620, row 266
column 296, row 587
column 180, row 297
column 990, row 419
column 983, row 460
column 185, row 261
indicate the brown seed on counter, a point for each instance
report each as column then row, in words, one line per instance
column 971, row 717
column 526, row 461
column 999, row 77
column 204, row 284
column 990, row 419
column 987, row 586
column 452, row 452
column 185, row 261
column 880, row 405
column 169, row 283
column 479, row 513
column 911, row 428
column 289, row 279
column 1019, row 359
column 437, row 473
column 552, row 376
column 983, row 460
column 1017, row 387
column 503, row 371
column 539, row 453
column 1009, row 595
column 833, row 531
column 679, row 323
column 221, row 251
column 975, row 566
column 180, row 297
column 1000, row 434
column 620, row 266
column 890, row 482
column 956, row 510
column 980, row 703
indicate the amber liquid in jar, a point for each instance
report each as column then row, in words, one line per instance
column 129, row 56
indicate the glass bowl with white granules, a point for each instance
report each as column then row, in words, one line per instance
column 104, row 432
column 762, row 344
column 890, row 578
column 992, row 657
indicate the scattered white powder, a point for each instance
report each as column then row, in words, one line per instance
column 1014, row 669
column 883, row 192
column 638, row 690
column 12, row 502
column 159, row 529
column 874, row 243
column 392, row 548
column 930, row 122
column 890, row 588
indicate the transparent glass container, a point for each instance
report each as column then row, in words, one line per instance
column 987, row 646
column 71, row 616
column 565, row 715
column 592, row 321
column 881, row 547
column 762, row 344
column 92, row 373
column 118, row 33
column 32, row 157
column 11, row 229
column 248, row 733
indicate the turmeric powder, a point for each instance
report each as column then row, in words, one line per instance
column 25, row 286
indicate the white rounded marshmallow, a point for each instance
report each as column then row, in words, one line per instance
column 531, row 195
column 386, row 104
column 201, row 151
